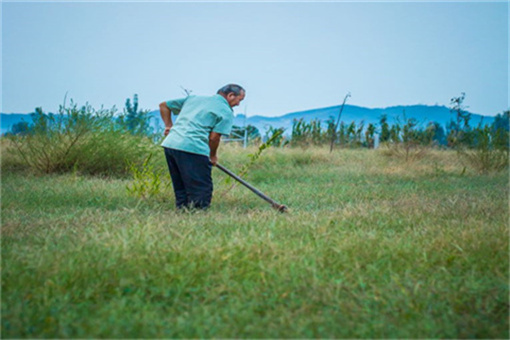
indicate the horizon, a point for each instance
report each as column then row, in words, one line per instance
column 290, row 56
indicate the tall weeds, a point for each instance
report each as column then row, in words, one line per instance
column 77, row 138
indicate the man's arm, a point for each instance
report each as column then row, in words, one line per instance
column 166, row 115
column 214, row 142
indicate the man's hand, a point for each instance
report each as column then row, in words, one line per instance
column 214, row 160
column 167, row 131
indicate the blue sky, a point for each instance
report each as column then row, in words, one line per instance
column 290, row 56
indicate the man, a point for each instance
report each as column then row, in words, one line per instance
column 192, row 142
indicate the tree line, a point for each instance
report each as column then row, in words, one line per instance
column 53, row 142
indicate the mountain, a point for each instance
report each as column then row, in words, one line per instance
column 422, row 113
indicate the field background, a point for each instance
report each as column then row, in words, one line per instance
column 373, row 247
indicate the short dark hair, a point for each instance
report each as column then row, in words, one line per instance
column 236, row 89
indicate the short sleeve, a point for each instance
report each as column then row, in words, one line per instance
column 224, row 125
column 176, row 105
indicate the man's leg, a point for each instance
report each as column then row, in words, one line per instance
column 196, row 175
column 181, row 197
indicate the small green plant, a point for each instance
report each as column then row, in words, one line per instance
column 147, row 181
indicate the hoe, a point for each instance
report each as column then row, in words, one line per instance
column 280, row 207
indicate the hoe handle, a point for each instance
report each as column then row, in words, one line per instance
column 274, row 204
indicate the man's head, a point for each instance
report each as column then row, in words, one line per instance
column 233, row 93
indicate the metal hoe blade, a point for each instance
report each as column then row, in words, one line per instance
column 280, row 207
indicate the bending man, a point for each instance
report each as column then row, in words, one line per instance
column 192, row 142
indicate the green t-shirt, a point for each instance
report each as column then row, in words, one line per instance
column 197, row 117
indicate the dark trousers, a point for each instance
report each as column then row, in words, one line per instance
column 191, row 178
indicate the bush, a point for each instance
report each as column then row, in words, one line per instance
column 77, row 139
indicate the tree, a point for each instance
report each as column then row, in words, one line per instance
column 136, row 121
column 500, row 131
column 502, row 121
column 459, row 130
column 439, row 135
column 369, row 136
column 350, row 133
column 385, row 129
column 358, row 134
column 20, row 128
column 300, row 132
column 395, row 133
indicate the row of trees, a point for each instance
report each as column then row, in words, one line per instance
column 484, row 147
column 406, row 130
column 409, row 131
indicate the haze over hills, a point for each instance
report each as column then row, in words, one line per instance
column 422, row 113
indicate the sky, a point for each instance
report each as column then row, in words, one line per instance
column 288, row 55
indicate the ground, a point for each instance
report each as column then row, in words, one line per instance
column 372, row 247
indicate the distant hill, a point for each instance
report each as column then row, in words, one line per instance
column 422, row 113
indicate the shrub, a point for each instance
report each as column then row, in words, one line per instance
column 81, row 139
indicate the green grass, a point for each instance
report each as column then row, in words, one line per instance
column 373, row 247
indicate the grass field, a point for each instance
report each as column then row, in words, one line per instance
column 373, row 247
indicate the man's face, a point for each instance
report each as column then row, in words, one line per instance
column 234, row 100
